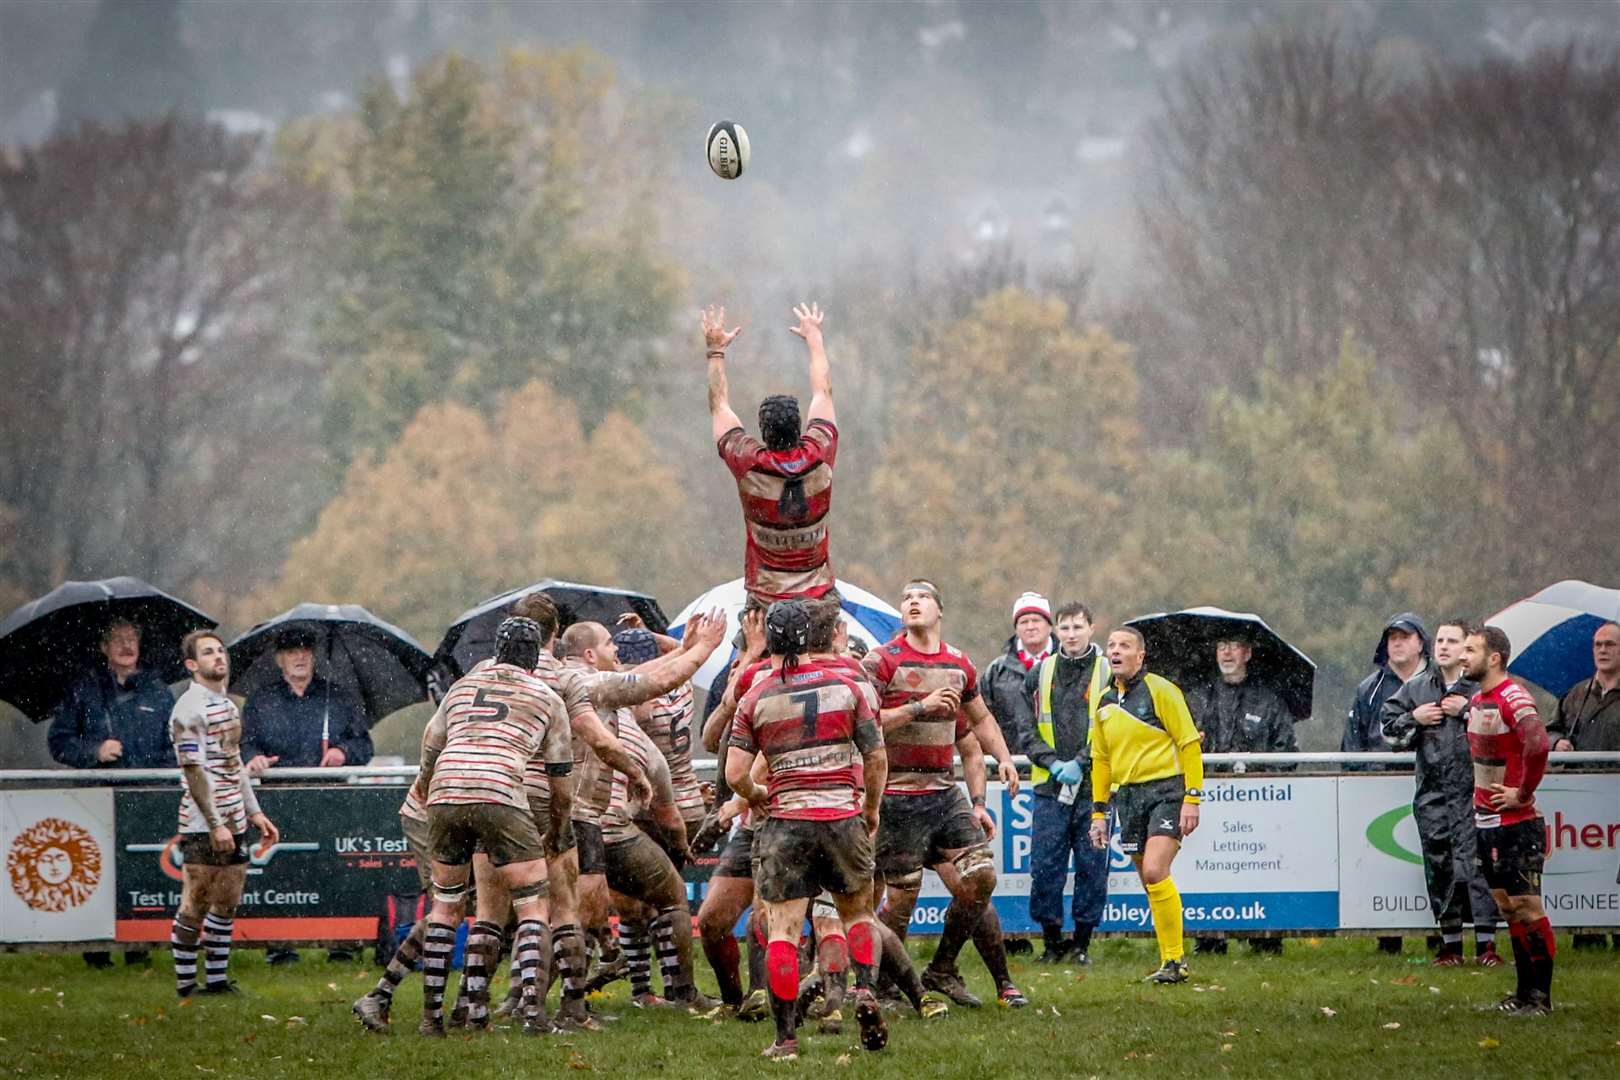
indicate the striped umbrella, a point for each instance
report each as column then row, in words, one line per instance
column 869, row 618
column 1552, row 632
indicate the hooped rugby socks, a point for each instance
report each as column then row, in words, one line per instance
column 402, row 962
column 437, row 944
column 183, row 937
column 636, row 941
column 665, row 926
column 528, row 949
column 216, row 938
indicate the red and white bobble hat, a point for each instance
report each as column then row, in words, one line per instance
column 1031, row 602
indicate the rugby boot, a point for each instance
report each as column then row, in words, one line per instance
column 511, row 1004
column 1489, row 957
column 1171, row 971
column 372, row 1011
column 933, row 1006
column 951, row 985
column 831, row 1021
column 1534, row 1004
column 786, row 1050
column 432, row 1029
column 1012, row 997
column 869, row 1016
column 755, row 1007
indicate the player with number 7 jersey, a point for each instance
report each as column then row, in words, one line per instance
column 813, row 725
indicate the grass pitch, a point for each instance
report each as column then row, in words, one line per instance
column 1328, row 1008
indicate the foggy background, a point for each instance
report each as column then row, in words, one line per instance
column 1307, row 310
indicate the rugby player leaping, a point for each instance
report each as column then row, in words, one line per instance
column 784, row 478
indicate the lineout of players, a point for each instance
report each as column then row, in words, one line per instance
column 556, row 789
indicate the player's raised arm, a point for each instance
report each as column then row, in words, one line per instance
column 809, row 328
column 715, row 340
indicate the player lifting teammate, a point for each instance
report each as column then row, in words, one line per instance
column 1143, row 741
column 475, row 753
column 818, row 736
column 215, row 811
column 1508, row 742
column 931, row 710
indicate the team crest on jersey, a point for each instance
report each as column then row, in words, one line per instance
column 54, row 865
column 914, row 678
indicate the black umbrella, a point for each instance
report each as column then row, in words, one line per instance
column 47, row 643
column 471, row 637
column 1181, row 647
column 377, row 662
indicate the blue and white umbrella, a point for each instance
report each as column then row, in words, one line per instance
column 1552, row 632
column 868, row 617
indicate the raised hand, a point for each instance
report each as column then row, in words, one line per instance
column 809, row 321
column 715, row 336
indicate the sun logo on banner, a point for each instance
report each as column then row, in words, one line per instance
column 54, row 865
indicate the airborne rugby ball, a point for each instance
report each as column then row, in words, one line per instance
column 727, row 146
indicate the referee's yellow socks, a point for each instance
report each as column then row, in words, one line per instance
column 1165, row 900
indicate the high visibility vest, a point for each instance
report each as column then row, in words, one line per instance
column 1100, row 675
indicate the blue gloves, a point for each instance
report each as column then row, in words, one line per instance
column 1066, row 772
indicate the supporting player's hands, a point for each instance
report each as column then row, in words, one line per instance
column 630, row 621
column 1429, row 713
column 987, row 824
column 942, row 702
column 809, row 327
column 109, row 751
column 258, row 764
column 269, row 835
column 715, row 336
column 1189, row 819
column 753, row 628
column 1099, row 833
column 1007, row 773
column 1504, row 798
column 710, row 630
column 1454, row 704
column 220, row 838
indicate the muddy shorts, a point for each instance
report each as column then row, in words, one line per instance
column 505, row 833
column 639, row 868
column 915, row 831
column 197, row 848
column 796, row 860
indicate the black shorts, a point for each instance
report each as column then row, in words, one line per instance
column 796, row 860
column 638, row 867
column 1151, row 808
column 915, row 831
column 1511, row 856
column 506, row 833
column 737, row 857
column 197, row 848
column 588, row 838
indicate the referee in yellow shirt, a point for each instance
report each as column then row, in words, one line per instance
column 1143, row 742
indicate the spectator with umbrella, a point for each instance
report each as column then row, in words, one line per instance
column 115, row 715
column 1246, row 687
column 97, row 657
column 299, row 715
column 300, row 720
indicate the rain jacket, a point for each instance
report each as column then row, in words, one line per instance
column 1588, row 717
column 1002, row 684
column 1363, row 725
column 98, row 709
column 279, row 723
column 1248, row 717
column 1071, row 714
column 1443, row 804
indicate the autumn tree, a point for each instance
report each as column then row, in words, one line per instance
column 1314, row 505
column 469, row 503
column 1007, row 461
column 500, row 225
column 153, row 420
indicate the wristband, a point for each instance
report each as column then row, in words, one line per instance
column 978, row 800
column 1193, row 795
column 712, row 353
column 917, row 709
column 1099, row 809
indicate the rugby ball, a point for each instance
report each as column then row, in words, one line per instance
column 727, row 147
